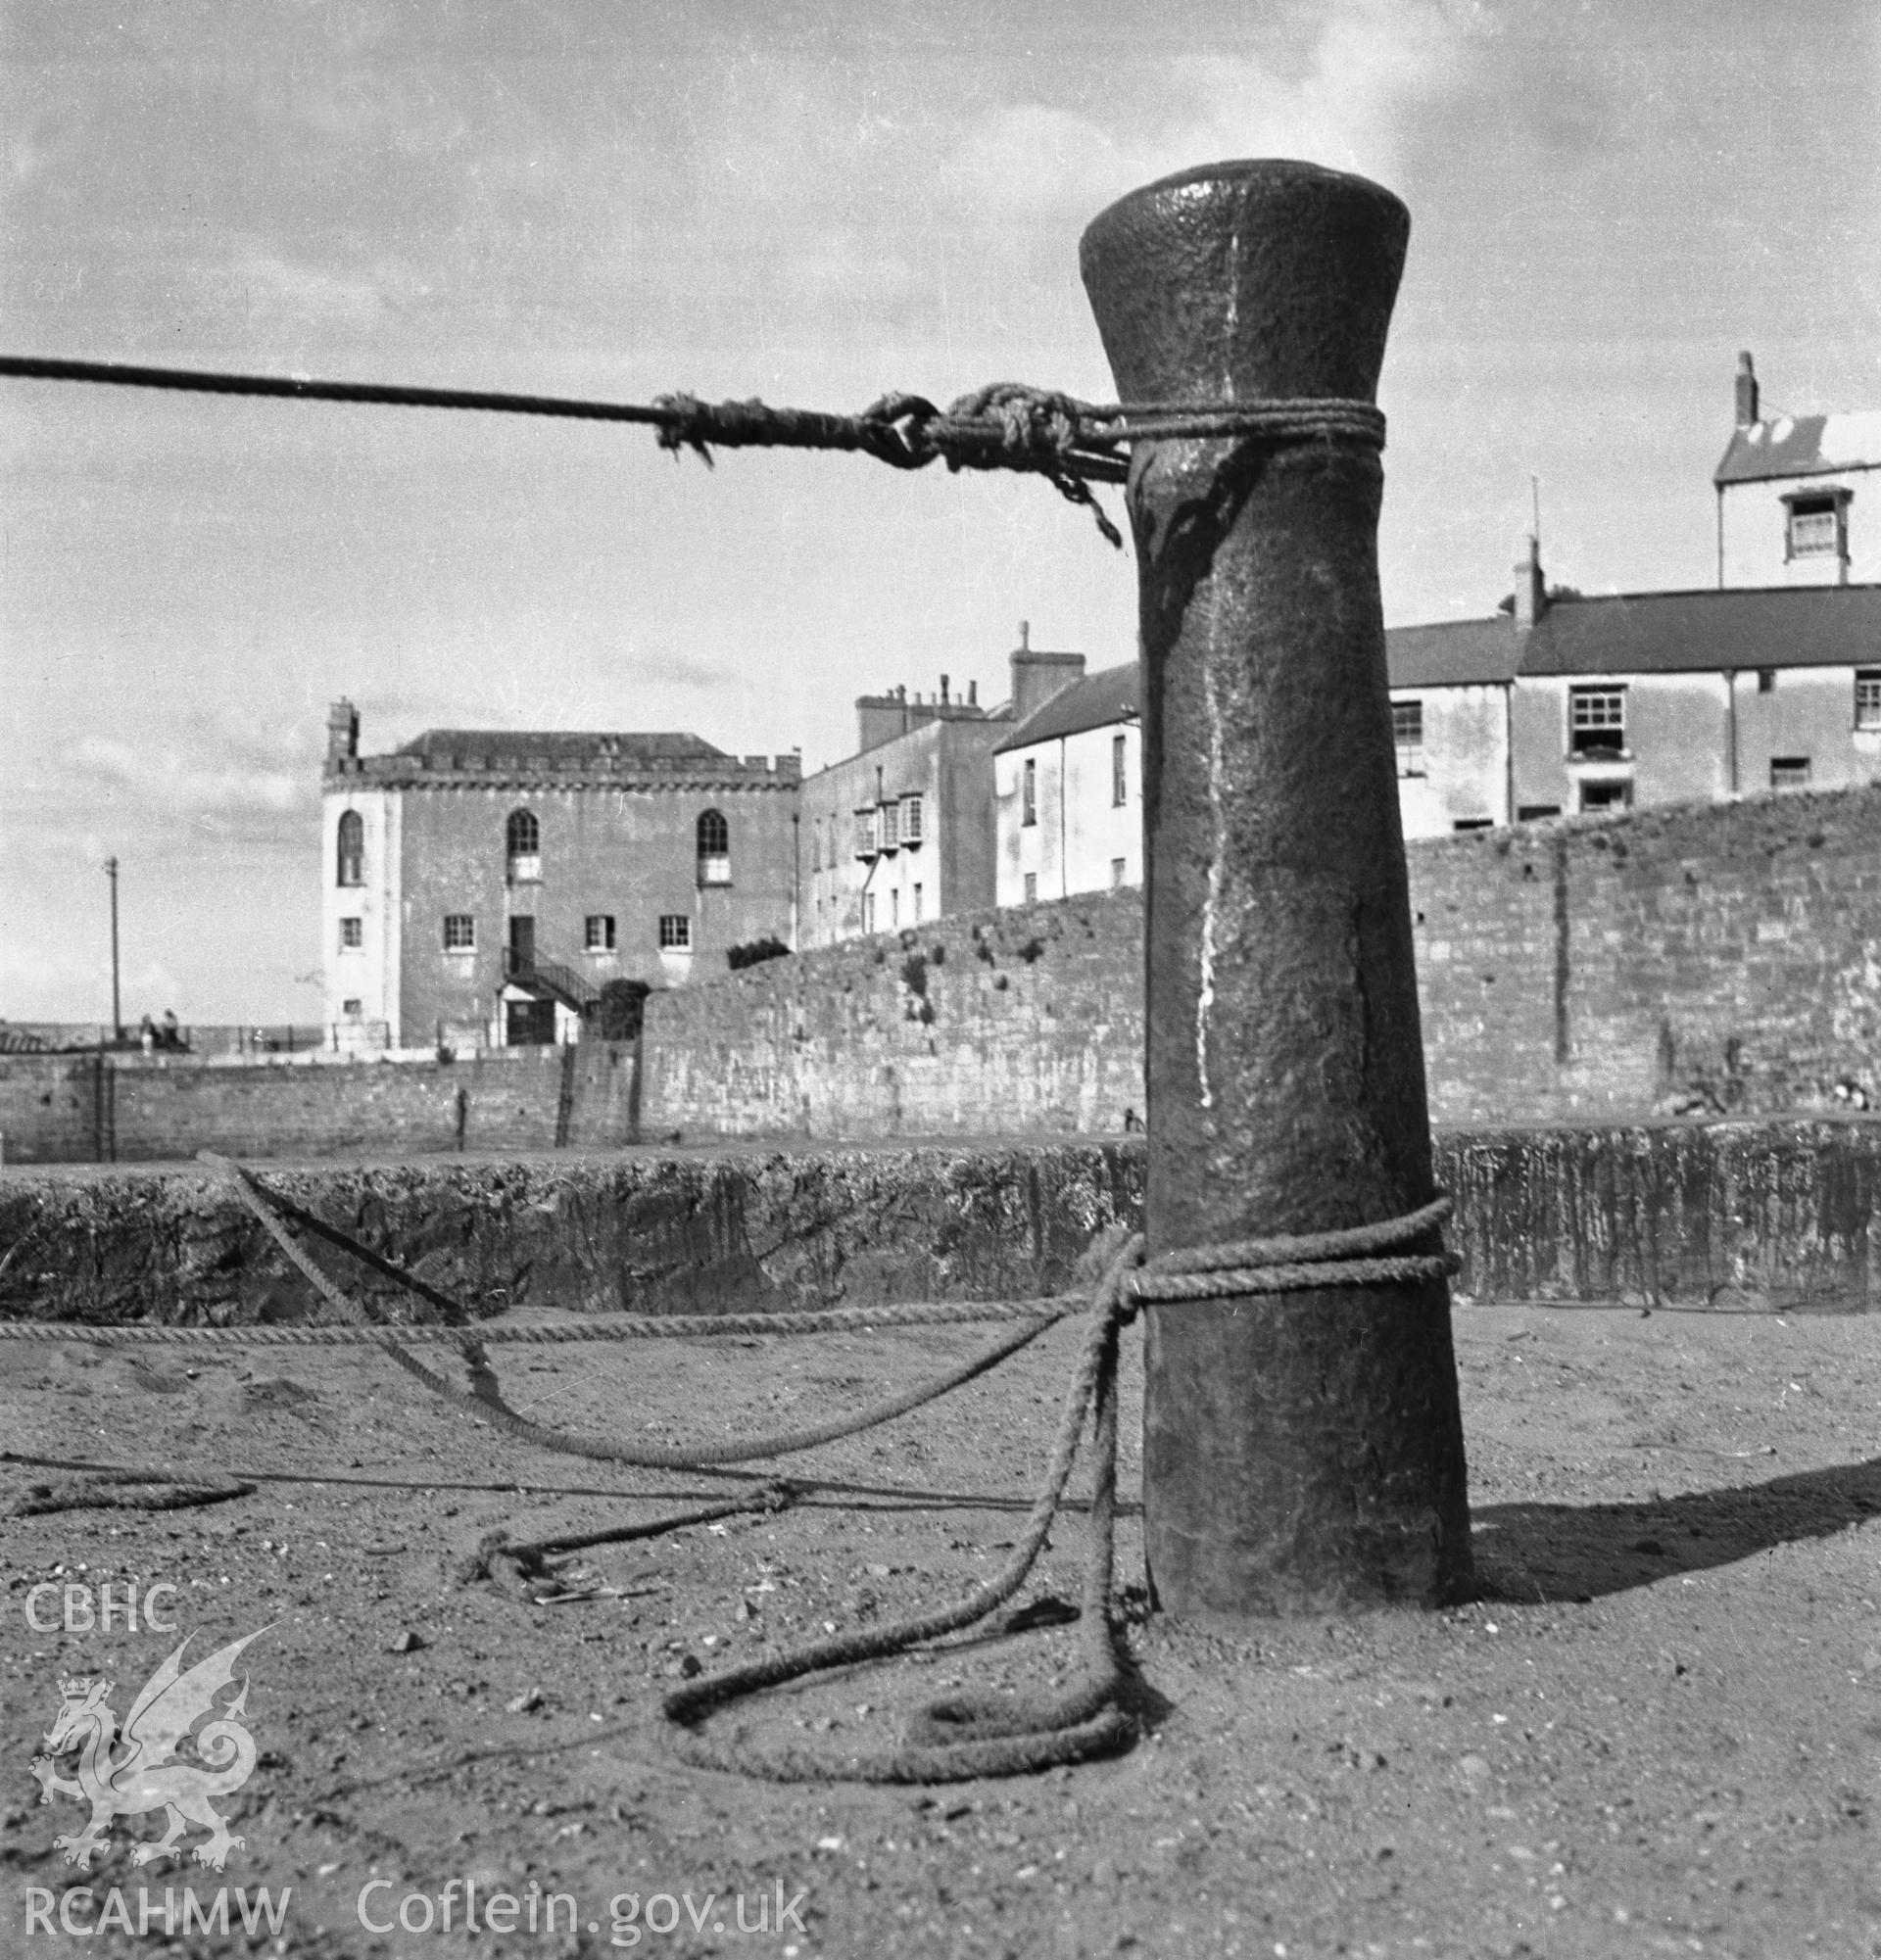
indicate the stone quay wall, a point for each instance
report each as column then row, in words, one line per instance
column 1720, row 1217
column 93, row 1108
column 1722, row 959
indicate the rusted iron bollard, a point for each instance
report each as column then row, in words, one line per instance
column 1302, row 1452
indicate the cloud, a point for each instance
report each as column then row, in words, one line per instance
column 1368, row 67
column 268, row 288
column 43, row 979
column 168, row 782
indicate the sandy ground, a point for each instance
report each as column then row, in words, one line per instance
column 1656, row 1732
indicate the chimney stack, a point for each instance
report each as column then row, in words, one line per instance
column 944, row 691
column 342, row 731
column 1746, row 391
column 1037, row 676
column 1531, row 591
column 880, row 718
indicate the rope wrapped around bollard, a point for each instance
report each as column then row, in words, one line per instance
column 969, row 1737
column 1007, row 425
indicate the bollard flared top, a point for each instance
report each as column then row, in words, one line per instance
column 1264, row 279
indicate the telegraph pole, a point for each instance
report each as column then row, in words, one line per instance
column 1302, row 1452
column 116, row 1009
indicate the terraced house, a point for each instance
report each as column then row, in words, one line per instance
column 1561, row 706
column 480, row 887
column 1572, row 704
column 1799, row 497
column 902, row 832
column 1770, row 683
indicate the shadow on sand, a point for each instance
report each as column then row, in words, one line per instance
column 1580, row 1551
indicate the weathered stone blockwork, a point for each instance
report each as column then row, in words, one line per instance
column 1728, row 957
column 642, row 1234
column 997, row 1023
column 1725, row 957
column 84, row 1107
column 53, row 1108
column 1726, row 1216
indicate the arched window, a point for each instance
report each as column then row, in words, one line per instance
column 351, row 848
column 714, row 849
column 522, row 839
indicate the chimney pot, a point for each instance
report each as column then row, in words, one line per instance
column 1024, row 635
column 972, row 693
column 1746, row 390
column 944, row 688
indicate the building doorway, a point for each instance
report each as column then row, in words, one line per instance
column 523, row 945
column 529, row 1023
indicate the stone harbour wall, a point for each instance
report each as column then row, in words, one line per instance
column 1709, row 959
column 999, row 1023
column 1706, row 958
column 693, row 1232
column 1715, row 958
column 1721, row 1216
column 90, row 1108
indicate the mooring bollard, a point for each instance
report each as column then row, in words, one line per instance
column 1302, row 1452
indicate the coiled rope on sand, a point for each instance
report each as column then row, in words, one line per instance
column 950, row 1740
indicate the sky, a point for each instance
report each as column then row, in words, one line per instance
column 814, row 203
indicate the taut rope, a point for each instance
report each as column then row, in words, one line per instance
column 1007, row 426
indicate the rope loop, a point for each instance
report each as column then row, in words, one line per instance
column 1011, row 425
column 965, row 1736
column 903, row 427
column 1378, row 1253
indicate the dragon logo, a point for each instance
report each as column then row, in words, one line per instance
column 147, row 1767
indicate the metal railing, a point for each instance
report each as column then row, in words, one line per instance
column 531, row 969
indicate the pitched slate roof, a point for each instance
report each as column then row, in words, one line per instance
column 1650, row 633
column 1633, row 633
column 1801, row 446
column 1451, row 656
column 1095, row 702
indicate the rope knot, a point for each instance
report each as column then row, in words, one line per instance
column 1010, row 426
column 1031, row 428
